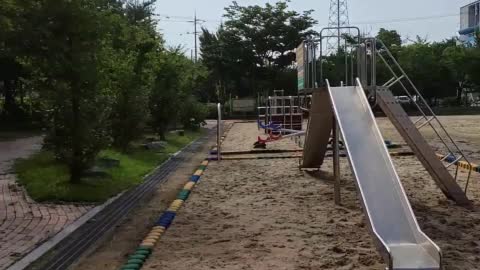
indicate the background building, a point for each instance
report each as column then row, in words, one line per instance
column 469, row 21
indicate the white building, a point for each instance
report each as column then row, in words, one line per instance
column 469, row 22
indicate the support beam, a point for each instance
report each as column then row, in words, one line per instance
column 336, row 162
column 319, row 129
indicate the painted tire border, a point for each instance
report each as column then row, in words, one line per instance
column 137, row 259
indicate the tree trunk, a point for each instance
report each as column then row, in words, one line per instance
column 75, row 171
column 459, row 94
column 10, row 104
column 76, row 164
column 162, row 135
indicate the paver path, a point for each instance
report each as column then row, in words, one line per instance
column 25, row 224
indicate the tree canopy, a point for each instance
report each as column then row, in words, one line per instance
column 253, row 50
column 94, row 73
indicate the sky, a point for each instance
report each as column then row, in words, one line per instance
column 432, row 19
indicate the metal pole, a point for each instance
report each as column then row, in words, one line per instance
column 352, row 80
column 291, row 113
column 346, row 64
column 314, row 66
column 306, row 65
column 195, row 34
column 336, row 162
column 219, row 132
column 283, row 112
column 338, row 25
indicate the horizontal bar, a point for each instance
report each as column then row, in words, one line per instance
column 396, row 81
column 426, row 123
column 388, row 82
column 454, row 162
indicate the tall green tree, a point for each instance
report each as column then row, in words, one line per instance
column 172, row 99
column 454, row 59
column 391, row 38
column 69, row 53
column 12, row 24
column 255, row 47
column 135, row 46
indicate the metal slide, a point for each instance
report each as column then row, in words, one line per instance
column 390, row 216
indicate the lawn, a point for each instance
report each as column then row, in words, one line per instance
column 47, row 180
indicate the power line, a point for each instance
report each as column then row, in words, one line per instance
column 406, row 19
column 178, row 18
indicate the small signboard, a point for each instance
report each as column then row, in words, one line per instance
column 244, row 105
column 301, row 66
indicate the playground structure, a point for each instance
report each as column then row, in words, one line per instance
column 282, row 117
column 283, row 112
column 345, row 111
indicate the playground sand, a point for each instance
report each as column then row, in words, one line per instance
column 267, row 214
column 242, row 136
column 465, row 130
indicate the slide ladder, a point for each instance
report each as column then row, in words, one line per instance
column 411, row 131
column 388, row 211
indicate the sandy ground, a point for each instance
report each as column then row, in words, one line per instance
column 465, row 130
column 242, row 136
column 267, row 214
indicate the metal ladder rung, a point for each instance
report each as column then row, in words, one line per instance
column 426, row 123
column 396, row 81
column 444, row 158
column 454, row 162
column 388, row 82
column 418, row 120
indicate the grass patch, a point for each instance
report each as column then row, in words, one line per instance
column 45, row 179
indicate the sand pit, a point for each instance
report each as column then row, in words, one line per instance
column 242, row 136
column 267, row 214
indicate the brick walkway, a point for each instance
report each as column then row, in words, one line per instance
column 25, row 224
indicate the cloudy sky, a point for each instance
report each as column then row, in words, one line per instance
column 431, row 19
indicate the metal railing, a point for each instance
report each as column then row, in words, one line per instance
column 285, row 107
column 428, row 116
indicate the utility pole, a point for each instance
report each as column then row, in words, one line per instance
column 195, row 34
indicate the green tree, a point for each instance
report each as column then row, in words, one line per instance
column 164, row 98
column 254, row 47
column 390, row 38
column 70, row 53
column 11, row 48
column 173, row 99
column 454, row 58
column 135, row 47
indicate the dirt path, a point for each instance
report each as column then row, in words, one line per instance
column 17, row 148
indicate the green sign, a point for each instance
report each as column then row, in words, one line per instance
column 301, row 66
